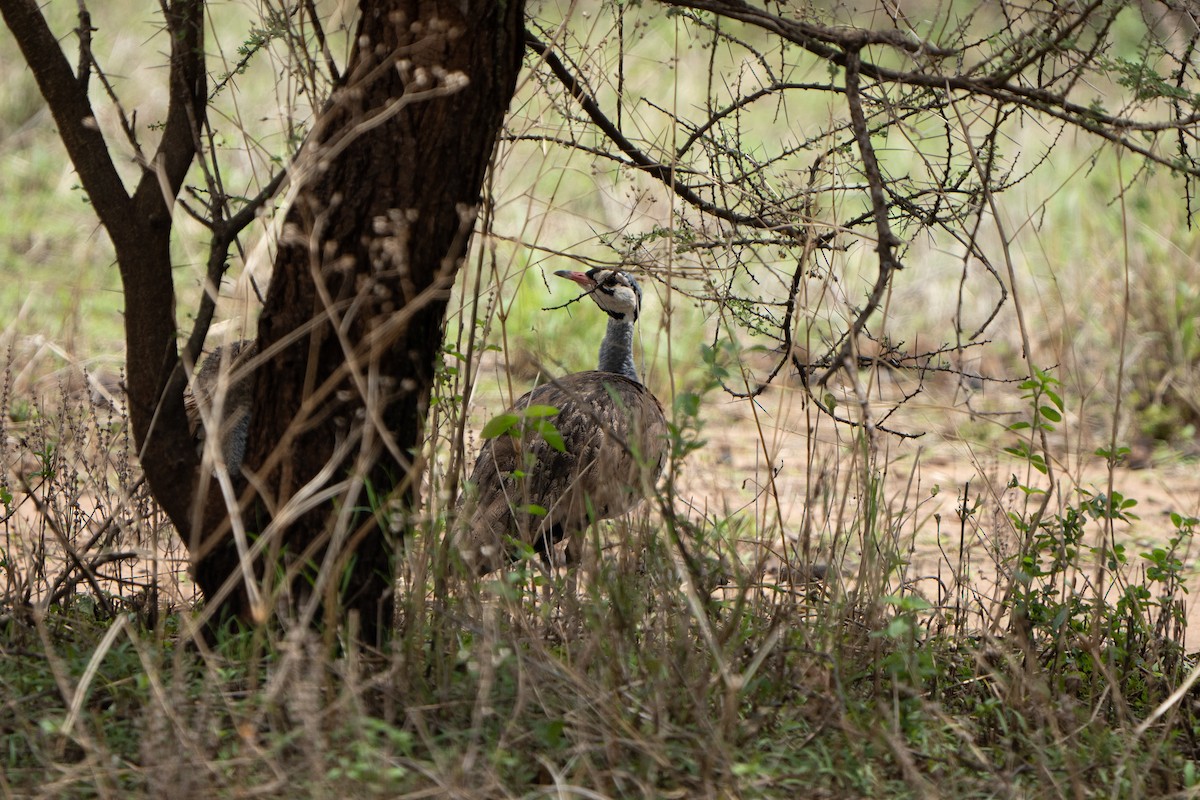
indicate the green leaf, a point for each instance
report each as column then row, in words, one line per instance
column 1050, row 414
column 499, row 425
column 687, row 404
column 538, row 411
column 550, row 732
column 550, row 434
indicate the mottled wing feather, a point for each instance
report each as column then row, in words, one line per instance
column 614, row 431
column 224, row 370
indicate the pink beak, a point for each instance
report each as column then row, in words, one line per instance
column 579, row 277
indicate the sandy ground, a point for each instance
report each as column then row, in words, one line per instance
column 822, row 487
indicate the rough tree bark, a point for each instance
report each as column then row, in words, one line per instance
column 389, row 185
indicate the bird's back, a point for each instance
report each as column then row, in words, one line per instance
column 614, row 434
column 224, row 370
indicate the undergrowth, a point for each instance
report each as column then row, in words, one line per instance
column 703, row 654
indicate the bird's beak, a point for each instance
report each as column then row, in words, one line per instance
column 579, row 277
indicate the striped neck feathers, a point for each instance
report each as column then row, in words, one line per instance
column 616, row 351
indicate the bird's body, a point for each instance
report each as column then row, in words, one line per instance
column 224, row 383
column 613, row 434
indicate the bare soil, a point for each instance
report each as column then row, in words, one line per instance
column 820, row 483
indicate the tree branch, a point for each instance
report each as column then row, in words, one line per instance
column 72, row 112
column 824, row 43
column 84, row 32
column 742, row 102
column 886, row 239
column 160, row 184
column 224, row 234
column 663, row 172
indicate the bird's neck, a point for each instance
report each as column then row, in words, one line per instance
column 616, row 351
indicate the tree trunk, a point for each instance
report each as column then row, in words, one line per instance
column 389, row 184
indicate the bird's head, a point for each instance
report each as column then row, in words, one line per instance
column 617, row 294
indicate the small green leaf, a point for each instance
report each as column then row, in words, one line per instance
column 550, row 434
column 1050, row 414
column 538, row 411
column 499, row 425
column 550, row 732
column 687, row 404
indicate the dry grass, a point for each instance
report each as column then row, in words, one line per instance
column 697, row 660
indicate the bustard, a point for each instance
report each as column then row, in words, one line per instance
column 614, row 437
column 224, row 371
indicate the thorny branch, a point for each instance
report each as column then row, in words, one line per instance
column 995, row 85
column 733, row 182
column 775, row 87
column 664, row 172
column 84, row 32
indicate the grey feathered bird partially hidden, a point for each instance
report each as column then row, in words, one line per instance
column 614, row 436
column 224, row 374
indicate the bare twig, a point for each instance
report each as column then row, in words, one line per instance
column 664, row 172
